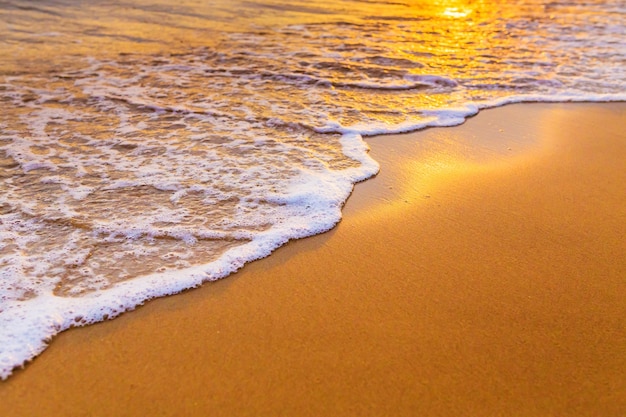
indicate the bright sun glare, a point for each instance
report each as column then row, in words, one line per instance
column 456, row 12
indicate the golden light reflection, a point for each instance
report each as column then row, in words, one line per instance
column 422, row 168
column 456, row 38
column 419, row 180
column 456, row 12
column 456, row 9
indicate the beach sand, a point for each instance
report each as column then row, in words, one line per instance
column 481, row 273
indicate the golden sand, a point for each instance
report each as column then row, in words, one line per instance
column 482, row 273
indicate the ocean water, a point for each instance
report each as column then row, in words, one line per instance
column 147, row 147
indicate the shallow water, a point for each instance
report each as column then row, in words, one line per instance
column 147, row 147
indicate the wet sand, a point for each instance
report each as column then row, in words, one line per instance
column 481, row 273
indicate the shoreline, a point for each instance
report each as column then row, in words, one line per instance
column 480, row 273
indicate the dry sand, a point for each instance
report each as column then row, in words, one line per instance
column 482, row 273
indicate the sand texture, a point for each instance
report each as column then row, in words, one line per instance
column 481, row 273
